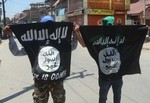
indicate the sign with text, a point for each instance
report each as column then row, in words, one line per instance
column 48, row 46
column 116, row 49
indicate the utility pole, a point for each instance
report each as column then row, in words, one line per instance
column 144, row 14
column 4, row 17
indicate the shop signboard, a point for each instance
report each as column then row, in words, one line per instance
column 100, row 12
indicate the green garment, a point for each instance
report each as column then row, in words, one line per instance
column 109, row 20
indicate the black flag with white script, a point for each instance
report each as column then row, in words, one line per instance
column 116, row 49
column 48, row 46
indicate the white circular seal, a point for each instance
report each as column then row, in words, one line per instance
column 109, row 60
column 49, row 59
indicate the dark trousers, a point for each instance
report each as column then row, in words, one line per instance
column 42, row 90
column 104, row 88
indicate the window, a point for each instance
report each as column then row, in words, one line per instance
column 119, row 21
column 136, row 22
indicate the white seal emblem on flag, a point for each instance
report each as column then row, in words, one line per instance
column 49, row 59
column 109, row 60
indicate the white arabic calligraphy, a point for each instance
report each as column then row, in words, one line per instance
column 33, row 34
column 108, row 40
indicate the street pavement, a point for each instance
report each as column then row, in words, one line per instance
column 16, row 81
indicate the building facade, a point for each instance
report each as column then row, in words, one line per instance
column 31, row 15
column 91, row 12
column 139, row 13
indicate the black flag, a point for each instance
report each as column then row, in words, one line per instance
column 48, row 46
column 116, row 49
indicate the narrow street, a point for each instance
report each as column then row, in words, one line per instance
column 16, row 81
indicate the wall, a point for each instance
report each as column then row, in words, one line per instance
column 97, row 4
column 109, row 4
column 75, row 5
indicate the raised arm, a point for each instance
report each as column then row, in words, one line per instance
column 13, row 47
column 78, row 34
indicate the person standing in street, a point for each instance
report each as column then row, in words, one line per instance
column 41, row 88
column 104, row 83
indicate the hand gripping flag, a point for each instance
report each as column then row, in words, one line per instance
column 48, row 46
column 116, row 49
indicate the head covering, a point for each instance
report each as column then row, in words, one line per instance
column 47, row 18
column 109, row 20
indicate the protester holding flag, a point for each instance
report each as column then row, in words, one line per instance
column 112, row 48
column 104, row 83
column 41, row 88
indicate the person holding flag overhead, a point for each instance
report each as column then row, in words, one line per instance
column 103, row 82
column 112, row 47
column 43, row 87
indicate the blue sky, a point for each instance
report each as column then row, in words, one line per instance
column 13, row 7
